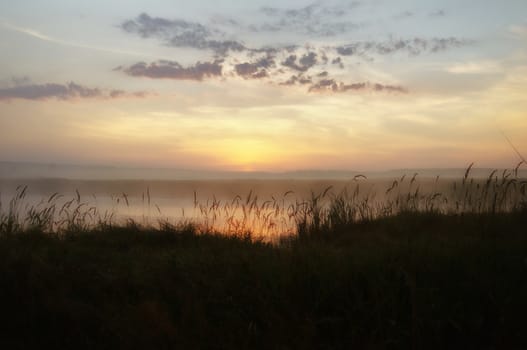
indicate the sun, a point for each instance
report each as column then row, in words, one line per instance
column 249, row 154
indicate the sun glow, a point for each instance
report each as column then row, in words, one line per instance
column 249, row 154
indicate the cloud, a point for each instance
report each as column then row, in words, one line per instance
column 69, row 91
column 148, row 27
column 122, row 93
column 315, row 10
column 326, row 85
column 316, row 19
column 389, row 88
column 40, row 36
column 442, row 44
column 331, row 85
column 437, row 13
column 304, row 63
column 22, row 80
column 403, row 15
column 173, row 70
column 263, row 68
column 338, row 61
column 297, row 79
column 283, row 64
column 308, row 60
column 181, row 33
column 415, row 46
column 255, row 70
column 346, row 50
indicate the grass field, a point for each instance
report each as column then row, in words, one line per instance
column 355, row 274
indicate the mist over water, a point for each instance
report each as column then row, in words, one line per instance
column 165, row 199
column 209, row 202
column 265, row 203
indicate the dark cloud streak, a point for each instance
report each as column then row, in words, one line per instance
column 415, row 46
column 331, row 85
column 69, row 91
column 173, row 70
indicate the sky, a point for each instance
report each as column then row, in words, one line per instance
column 264, row 85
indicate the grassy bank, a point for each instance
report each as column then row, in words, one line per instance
column 411, row 280
column 409, row 268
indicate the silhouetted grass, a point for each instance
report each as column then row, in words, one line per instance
column 284, row 214
column 412, row 271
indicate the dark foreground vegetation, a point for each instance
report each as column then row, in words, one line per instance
column 412, row 280
column 418, row 270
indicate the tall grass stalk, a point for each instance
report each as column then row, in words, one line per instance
column 282, row 215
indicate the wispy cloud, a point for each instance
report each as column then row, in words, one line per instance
column 331, row 85
column 174, row 70
column 437, row 13
column 186, row 34
column 403, row 15
column 44, row 37
column 318, row 19
column 69, row 91
column 22, row 80
column 415, row 46
column 419, row 14
column 181, row 33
